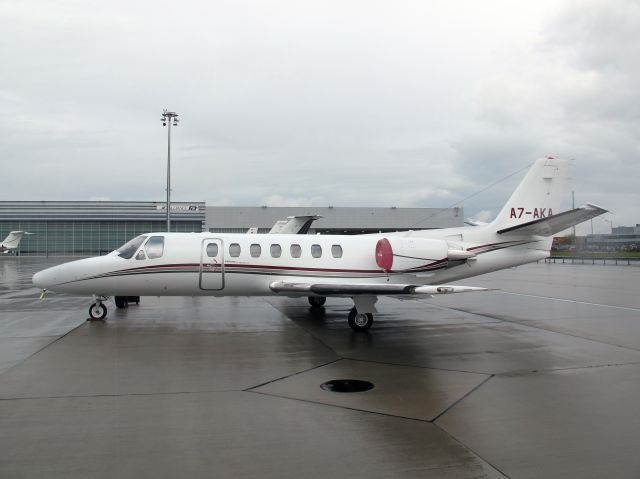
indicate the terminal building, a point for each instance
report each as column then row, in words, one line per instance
column 622, row 238
column 333, row 220
column 90, row 228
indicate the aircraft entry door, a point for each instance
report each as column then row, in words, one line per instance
column 212, row 264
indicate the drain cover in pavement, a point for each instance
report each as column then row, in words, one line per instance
column 346, row 386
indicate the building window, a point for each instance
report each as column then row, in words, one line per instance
column 212, row 250
column 155, row 247
column 276, row 251
column 336, row 251
column 255, row 250
column 316, row 250
column 296, row 251
column 234, row 250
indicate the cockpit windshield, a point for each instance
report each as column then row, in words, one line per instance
column 127, row 250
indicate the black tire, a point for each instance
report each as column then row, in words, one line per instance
column 133, row 299
column 121, row 302
column 98, row 311
column 360, row 322
column 317, row 301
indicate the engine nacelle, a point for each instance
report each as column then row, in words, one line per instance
column 401, row 254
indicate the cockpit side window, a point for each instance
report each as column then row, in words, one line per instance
column 127, row 250
column 155, row 247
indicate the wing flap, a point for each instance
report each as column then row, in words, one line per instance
column 556, row 223
column 371, row 289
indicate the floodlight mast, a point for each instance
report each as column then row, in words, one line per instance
column 169, row 117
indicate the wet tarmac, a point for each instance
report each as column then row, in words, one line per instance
column 539, row 379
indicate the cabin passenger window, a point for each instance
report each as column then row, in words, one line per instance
column 296, row 251
column 234, row 250
column 141, row 255
column 128, row 249
column 212, row 250
column 276, row 250
column 155, row 247
column 336, row 251
column 255, row 250
column 316, row 250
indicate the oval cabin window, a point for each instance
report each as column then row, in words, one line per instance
column 212, row 250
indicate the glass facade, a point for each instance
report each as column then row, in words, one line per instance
column 91, row 228
column 85, row 238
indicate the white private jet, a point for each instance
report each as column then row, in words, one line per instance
column 294, row 225
column 11, row 242
column 363, row 267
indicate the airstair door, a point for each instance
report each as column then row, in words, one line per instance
column 212, row 264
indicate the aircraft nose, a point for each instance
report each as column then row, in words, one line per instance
column 44, row 279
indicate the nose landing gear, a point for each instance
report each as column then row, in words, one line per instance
column 98, row 311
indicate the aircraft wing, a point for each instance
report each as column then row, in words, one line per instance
column 556, row 223
column 371, row 289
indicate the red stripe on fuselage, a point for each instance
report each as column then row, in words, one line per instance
column 265, row 267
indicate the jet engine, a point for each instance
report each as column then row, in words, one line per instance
column 399, row 254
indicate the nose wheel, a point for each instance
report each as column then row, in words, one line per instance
column 97, row 311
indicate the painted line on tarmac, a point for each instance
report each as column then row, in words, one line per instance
column 626, row 308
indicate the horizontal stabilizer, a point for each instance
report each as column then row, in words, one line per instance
column 556, row 223
column 372, row 289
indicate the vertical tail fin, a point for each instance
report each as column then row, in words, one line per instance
column 539, row 194
column 13, row 239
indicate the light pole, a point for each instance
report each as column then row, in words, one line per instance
column 169, row 117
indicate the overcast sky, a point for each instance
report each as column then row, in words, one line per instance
column 300, row 103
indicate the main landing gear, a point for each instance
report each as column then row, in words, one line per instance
column 361, row 315
column 123, row 301
column 360, row 322
column 317, row 301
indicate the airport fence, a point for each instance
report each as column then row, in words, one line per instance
column 623, row 260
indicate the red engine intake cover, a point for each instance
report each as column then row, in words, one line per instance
column 384, row 254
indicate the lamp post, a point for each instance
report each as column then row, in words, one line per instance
column 169, row 117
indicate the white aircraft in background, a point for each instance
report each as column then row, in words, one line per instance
column 363, row 267
column 11, row 242
column 294, row 225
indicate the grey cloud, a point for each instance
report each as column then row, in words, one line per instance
column 350, row 103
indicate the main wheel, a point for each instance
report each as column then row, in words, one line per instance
column 97, row 311
column 121, row 302
column 317, row 301
column 360, row 322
